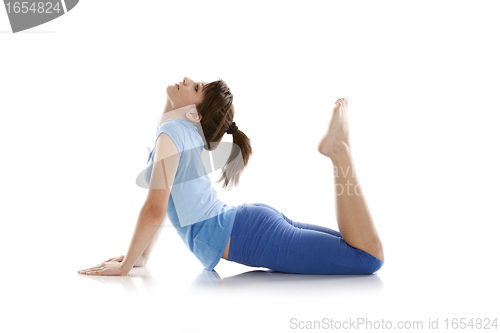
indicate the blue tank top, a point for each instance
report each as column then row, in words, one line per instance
column 203, row 221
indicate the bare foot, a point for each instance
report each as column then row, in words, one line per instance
column 337, row 134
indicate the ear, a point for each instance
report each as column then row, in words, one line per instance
column 193, row 114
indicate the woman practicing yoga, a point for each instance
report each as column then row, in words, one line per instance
column 196, row 117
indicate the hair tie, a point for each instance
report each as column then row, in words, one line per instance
column 233, row 128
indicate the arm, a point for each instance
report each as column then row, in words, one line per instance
column 144, row 258
column 148, row 222
column 154, row 209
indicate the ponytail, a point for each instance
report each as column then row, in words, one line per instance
column 217, row 111
column 237, row 161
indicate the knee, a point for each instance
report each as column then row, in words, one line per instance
column 380, row 252
column 377, row 260
column 376, row 249
column 376, row 264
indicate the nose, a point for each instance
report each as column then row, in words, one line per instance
column 185, row 80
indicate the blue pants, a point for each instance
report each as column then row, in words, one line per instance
column 264, row 237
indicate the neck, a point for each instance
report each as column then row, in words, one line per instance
column 184, row 112
column 170, row 112
column 168, row 106
column 187, row 112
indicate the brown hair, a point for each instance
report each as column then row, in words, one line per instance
column 217, row 113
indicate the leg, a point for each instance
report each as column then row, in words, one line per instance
column 303, row 225
column 263, row 237
column 353, row 216
column 308, row 226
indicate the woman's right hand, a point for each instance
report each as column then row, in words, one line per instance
column 139, row 263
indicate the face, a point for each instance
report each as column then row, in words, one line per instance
column 186, row 92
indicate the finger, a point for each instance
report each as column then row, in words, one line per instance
column 119, row 258
column 86, row 269
column 91, row 269
column 105, row 262
column 93, row 272
column 96, row 268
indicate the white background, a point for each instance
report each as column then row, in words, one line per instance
column 80, row 97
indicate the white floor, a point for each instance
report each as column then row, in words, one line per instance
column 169, row 296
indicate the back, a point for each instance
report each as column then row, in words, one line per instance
column 203, row 221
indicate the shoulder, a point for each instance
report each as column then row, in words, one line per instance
column 169, row 140
column 171, row 125
column 166, row 147
column 174, row 128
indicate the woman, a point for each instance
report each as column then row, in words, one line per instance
column 196, row 116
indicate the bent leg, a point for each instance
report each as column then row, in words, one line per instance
column 309, row 226
column 353, row 216
column 303, row 225
column 316, row 252
column 263, row 237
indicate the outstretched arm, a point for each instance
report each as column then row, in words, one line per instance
column 144, row 258
column 152, row 213
column 148, row 223
column 154, row 210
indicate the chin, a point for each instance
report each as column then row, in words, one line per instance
column 169, row 89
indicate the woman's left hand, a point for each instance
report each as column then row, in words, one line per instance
column 110, row 268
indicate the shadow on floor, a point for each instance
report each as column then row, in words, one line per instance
column 256, row 282
column 272, row 282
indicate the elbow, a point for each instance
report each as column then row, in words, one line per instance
column 154, row 213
